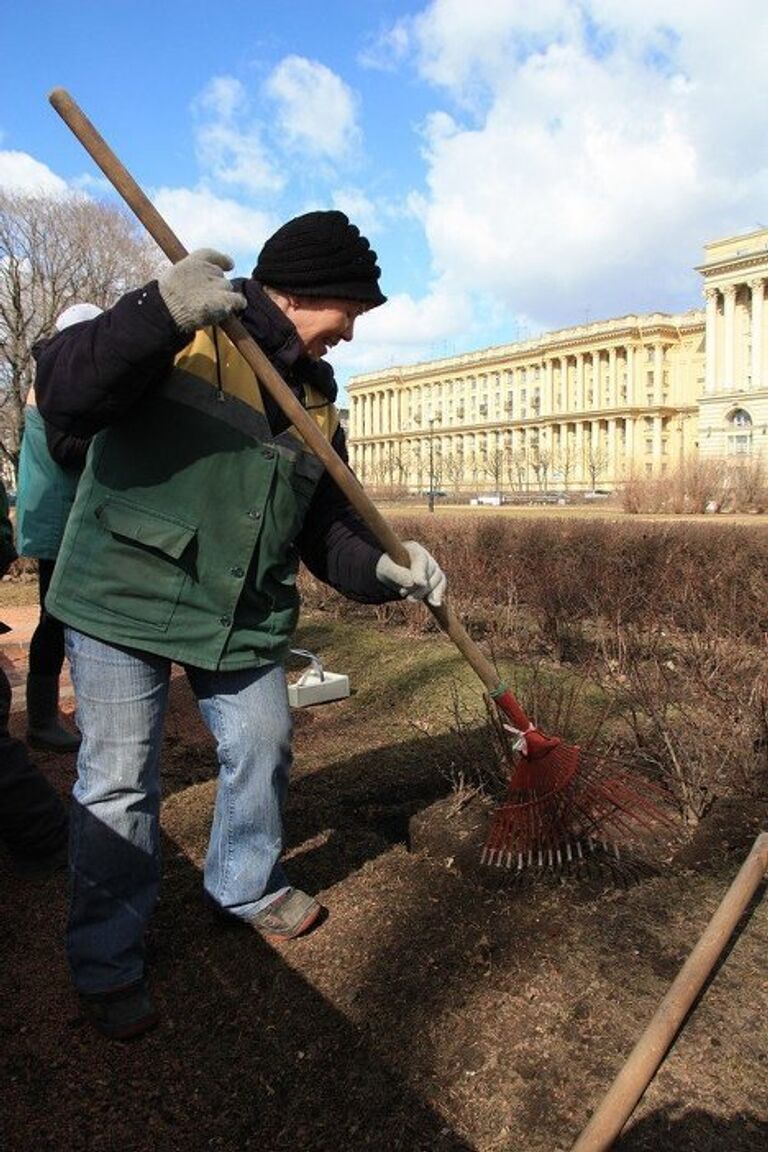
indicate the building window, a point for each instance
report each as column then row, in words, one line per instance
column 739, row 438
column 739, row 444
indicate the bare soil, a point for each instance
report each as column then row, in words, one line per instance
column 440, row 1005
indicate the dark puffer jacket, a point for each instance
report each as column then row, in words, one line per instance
column 198, row 498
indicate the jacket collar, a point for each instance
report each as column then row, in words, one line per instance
column 277, row 336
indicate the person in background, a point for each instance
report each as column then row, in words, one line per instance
column 50, row 464
column 33, row 819
column 196, row 504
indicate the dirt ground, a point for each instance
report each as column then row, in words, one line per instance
column 440, row 1006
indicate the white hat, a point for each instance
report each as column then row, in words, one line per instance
column 76, row 314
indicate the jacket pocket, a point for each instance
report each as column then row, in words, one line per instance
column 139, row 562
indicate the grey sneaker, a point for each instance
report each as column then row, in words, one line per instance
column 291, row 914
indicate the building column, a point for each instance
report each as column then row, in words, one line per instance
column 658, row 457
column 548, row 390
column 579, row 389
column 578, row 467
column 658, row 372
column 630, row 375
column 613, row 462
column 613, row 383
column 758, row 300
column 729, row 297
column 710, row 344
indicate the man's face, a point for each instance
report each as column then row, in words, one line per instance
column 322, row 323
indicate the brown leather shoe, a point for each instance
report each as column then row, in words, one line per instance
column 292, row 914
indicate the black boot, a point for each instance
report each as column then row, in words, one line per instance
column 44, row 727
column 33, row 819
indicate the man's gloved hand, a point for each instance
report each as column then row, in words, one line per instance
column 424, row 580
column 196, row 292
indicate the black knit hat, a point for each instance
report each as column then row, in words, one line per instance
column 321, row 254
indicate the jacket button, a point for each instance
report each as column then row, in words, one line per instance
column 269, row 453
column 225, row 621
column 237, row 571
column 254, row 514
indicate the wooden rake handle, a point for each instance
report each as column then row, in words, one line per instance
column 636, row 1074
column 168, row 241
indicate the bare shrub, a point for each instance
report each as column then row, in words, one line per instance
column 662, row 627
column 695, row 707
column 747, row 486
column 699, row 485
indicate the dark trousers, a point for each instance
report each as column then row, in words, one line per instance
column 33, row 819
column 46, row 648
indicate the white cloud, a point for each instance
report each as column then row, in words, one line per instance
column 386, row 50
column 580, row 154
column 229, row 143
column 20, row 172
column 469, row 46
column 223, row 97
column 360, row 209
column 202, row 220
column 315, row 110
column 404, row 331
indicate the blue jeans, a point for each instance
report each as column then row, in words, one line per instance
column 122, row 696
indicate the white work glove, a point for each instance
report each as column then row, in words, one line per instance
column 196, row 292
column 424, row 580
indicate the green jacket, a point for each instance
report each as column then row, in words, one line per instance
column 7, row 549
column 45, row 492
column 181, row 541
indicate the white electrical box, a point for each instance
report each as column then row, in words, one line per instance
column 315, row 685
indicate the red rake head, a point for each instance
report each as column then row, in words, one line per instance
column 561, row 803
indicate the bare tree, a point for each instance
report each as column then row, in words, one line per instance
column 492, row 464
column 595, row 461
column 400, row 463
column 453, row 467
column 564, row 462
column 541, row 463
column 54, row 252
column 516, row 460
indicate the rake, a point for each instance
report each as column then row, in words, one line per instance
column 551, row 804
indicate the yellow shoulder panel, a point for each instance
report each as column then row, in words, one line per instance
column 237, row 378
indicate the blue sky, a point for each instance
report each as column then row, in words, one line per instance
column 518, row 167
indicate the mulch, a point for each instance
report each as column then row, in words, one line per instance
column 435, row 1008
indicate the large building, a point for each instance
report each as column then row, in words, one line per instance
column 583, row 407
